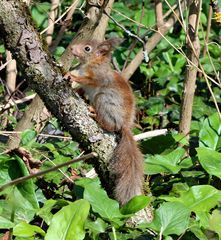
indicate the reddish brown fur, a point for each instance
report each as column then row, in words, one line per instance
column 113, row 101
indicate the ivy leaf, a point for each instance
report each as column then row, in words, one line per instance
column 210, row 161
column 210, row 133
column 168, row 163
column 96, row 227
column 28, row 137
column 68, row 223
column 215, row 221
column 106, row 207
column 135, row 204
column 5, row 223
column 199, row 198
column 171, row 218
column 25, row 230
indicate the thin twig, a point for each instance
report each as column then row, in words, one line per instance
column 200, row 66
column 206, row 39
column 150, row 134
column 181, row 15
column 145, row 53
column 15, row 102
column 137, row 137
column 130, row 19
column 72, row 5
column 64, row 26
column 132, row 46
column 11, row 73
column 34, row 175
column 206, row 50
column 5, row 64
column 52, row 162
column 211, row 91
column 152, row 42
column 51, row 20
column 184, row 55
column 8, row 133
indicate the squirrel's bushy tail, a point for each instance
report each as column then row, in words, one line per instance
column 128, row 168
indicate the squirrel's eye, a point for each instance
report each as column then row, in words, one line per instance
column 87, row 48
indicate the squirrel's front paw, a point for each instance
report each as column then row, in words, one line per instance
column 92, row 113
column 69, row 77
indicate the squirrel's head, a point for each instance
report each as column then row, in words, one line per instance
column 92, row 50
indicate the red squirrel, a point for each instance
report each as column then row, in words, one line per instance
column 112, row 99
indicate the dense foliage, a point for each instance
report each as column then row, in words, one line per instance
column 183, row 176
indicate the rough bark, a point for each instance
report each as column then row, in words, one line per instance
column 46, row 79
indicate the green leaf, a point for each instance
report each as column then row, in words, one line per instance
column 195, row 228
column 24, row 229
column 200, row 108
column 2, row 48
column 24, row 192
column 45, row 211
column 27, row 188
column 5, row 223
column 148, row 17
column 58, row 52
column 21, row 199
column 55, row 176
column 70, row 148
column 96, row 227
column 149, row 72
column 169, row 163
column 18, row 207
column 4, row 168
column 161, row 144
column 209, row 68
column 107, row 208
column 180, row 63
column 210, row 161
column 214, row 50
column 215, row 221
column 199, row 198
column 210, row 133
column 155, row 105
column 28, row 137
column 135, row 204
column 171, row 218
column 68, row 223
column 39, row 13
column 204, row 219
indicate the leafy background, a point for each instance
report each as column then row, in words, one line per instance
column 183, row 189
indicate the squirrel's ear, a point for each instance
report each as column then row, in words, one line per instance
column 106, row 46
column 115, row 41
